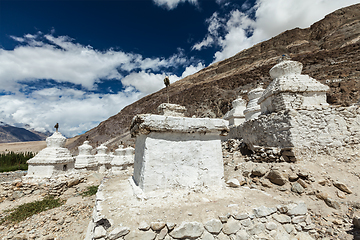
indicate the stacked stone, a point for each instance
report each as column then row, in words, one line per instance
column 271, row 154
column 58, row 185
column 281, row 222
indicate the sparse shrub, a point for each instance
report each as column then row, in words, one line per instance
column 26, row 210
column 90, row 191
column 11, row 161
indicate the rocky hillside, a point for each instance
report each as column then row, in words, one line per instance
column 329, row 51
column 15, row 134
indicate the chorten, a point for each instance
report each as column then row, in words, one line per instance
column 253, row 109
column 236, row 115
column 123, row 158
column 102, row 158
column 85, row 160
column 291, row 90
column 55, row 159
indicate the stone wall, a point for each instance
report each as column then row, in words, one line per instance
column 278, row 222
column 313, row 130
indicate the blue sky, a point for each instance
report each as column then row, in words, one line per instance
column 80, row 62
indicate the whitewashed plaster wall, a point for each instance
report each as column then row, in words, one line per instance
column 177, row 152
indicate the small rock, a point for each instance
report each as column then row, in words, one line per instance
column 99, row 232
column 241, row 216
column 297, row 188
column 323, row 182
column 163, row 233
column 259, row 171
column 263, row 211
column 356, row 221
column 299, row 209
column 293, row 177
column 233, row 183
column 118, row 232
column 340, row 194
column 213, row 226
column 298, row 219
column 302, row 183
column 187, row 230
column 276, row 177
column 266, row 183
column 342, row 187
column 144, row 226
column 242, row 235
column 256, row 229
column 271, row 226
column 231, row 227
column 289, row 228
column 282, row 208
column 281, row 218
column 332, row 203
column 170, row 226
column 157, row 226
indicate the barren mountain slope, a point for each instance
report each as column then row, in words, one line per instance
column 329, row 51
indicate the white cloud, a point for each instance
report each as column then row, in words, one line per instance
column 271, row 18
column 147, row 82
column 75, row 111
column 171, row 4
column 192, row 69
column 58, row 58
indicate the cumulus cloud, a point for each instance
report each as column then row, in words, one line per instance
column 271, row 18
column 76, row 111
column 60, row 59
column 147, row 82
column 171, row 4
column 192, row 69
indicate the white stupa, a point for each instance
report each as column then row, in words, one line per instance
column 291, row 90
column 122, row 158
column 102, row 158
column 253, row 109
column 55, row 159
column 236, row 115
column 85, row 160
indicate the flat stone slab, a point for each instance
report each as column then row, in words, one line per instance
column 146, row 123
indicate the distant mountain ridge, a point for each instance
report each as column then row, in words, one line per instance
column 10, row 133
column 329, row 50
